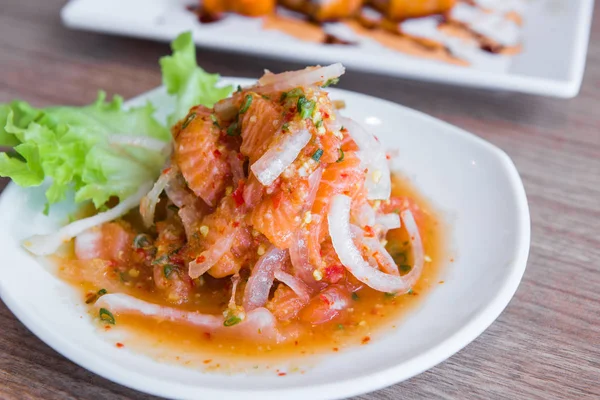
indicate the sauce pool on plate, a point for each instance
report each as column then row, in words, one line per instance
column 370, row 312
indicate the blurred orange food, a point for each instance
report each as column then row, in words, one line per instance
column 403, row 9
column 251, row 8
column 325, row 10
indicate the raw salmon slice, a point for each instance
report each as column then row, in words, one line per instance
column 201, row 156
column 345, row 177
column 259, row 124
column 278, row 216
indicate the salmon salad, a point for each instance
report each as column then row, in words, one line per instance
column 268, row 216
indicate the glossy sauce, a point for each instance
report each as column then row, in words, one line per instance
column 370, row 311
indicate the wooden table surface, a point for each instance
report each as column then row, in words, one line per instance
column 546, row 344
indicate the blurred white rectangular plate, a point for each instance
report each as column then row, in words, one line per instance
column 554, row 36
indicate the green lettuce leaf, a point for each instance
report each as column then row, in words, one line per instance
column 69, row 146
column 189, row 83
column 71, row 149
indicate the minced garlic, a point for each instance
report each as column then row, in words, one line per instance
column 204, row 230
column 317, row 274
column 261, row 250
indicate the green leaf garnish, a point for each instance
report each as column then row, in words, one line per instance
column 190, row 84
column 306, row 107
column 317, row 155
column 332, row 81
column 355, row 296
column 189, row 119
column 341, row 158
column 233, row 320
column 233, row 129
column 107, row 316
column 168, row 270
column 140, row 241
column 247, row 103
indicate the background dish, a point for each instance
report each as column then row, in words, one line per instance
column 555, row 39
column 475, row 185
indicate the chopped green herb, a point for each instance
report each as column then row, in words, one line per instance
column 107, row 316
column 247, row 103
column 175, row 251
column 317, row 155
column 396, row 211
column 215, row 121
column 264, row 96
column 342, row 128
column 233, row 129
column 123, row 277
column 404, row 268
column 285, row 127
column 295, row 92
column 92, row 298
column 319, row 123
column 400, row 259
column 46, row 209
column 389, row 295
column 141, row 241
column 168, row 270
column 161, row 259
column 332, row 81
column 233, row 320
column 341, row 156
column 239, row 89
column 410, row 291
column 189, row 119
column 340, row 327
column 306, row 107
column 355, row 296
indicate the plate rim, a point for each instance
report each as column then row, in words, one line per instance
column 441, row 73
column 375, row 380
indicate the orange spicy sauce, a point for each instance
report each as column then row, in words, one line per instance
column 370, row 311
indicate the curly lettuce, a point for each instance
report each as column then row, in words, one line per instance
column 185, row 80
column 73, row 148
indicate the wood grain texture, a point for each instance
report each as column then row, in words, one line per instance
column 546, row 344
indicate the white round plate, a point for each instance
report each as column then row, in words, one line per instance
column 473, row 183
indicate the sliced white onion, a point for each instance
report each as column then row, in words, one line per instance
column 149, row 201
column 364, row 215
column 382, row 258
column 299, row 257
column 257, row 289
column 210, row 257
column 350, row 256
column 43, row 245
column 143, row 142
column 190, row 218
column 88, row 244
column 299, row 287
column 293, row 79
column 237, row 167
column 280, row 156
column 226, row 109
column 235, row 280
column 314, row 180
column 378, row 181
column 253, row 191
column 416, row 245
column 259, row 324
column 388, row 221
column 298, row 249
